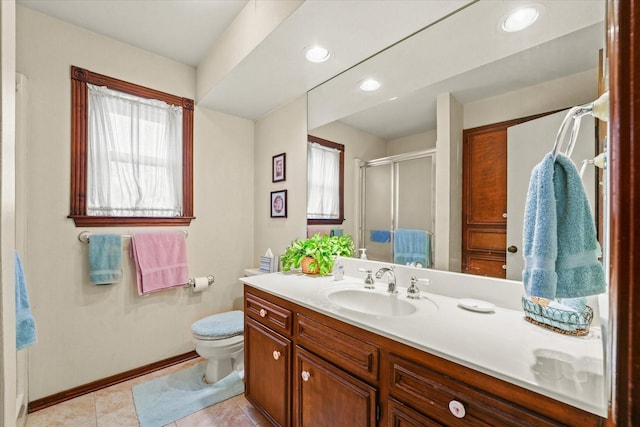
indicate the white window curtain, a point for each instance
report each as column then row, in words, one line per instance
column 323, row 183
column 134, row 156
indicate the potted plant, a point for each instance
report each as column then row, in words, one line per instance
column 317, row 253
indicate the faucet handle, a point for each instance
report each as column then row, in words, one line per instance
column 413, row 292
column 368, row 281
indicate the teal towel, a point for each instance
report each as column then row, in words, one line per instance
column 559, row 239
column 25, row 325
column 105, row 258
column 410, row 246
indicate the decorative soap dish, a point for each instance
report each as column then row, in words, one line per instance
column 566, row 322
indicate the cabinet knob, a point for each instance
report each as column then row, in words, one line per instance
column 504, row 266
column 305, row 375
column 457, row 409
column 276, row 354
column 504, row 215
column 263, row 312
column 512, row 249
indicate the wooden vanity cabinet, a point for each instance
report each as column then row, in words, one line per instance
column 337, row 374
column 268, row 358
column 327, row 396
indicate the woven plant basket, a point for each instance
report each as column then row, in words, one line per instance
column 305, row 266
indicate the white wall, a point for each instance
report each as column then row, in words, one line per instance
column 86, row 332
column 7, row 215
column 417, row 142
column 283, row 131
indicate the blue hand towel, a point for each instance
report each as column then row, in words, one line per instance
column 105, row 259
column 411, row 246
column 559, row 239
column 380, row 236
column 25, row 325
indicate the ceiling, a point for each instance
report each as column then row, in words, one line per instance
column 275, row 72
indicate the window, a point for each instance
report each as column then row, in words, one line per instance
column 132, row 150
column 325, row 177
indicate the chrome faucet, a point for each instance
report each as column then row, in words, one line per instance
column 392, row 278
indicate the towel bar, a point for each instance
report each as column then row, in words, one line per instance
column 84, row 236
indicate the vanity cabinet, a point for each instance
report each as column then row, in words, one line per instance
column 327, row 396
column 332, row 373
column 268, row 358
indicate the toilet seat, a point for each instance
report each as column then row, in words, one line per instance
column 219, row 326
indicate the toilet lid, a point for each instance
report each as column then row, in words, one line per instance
column 218, row 326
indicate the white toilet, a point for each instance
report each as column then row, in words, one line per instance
column 220, row 340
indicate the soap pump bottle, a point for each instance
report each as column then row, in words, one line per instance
column 338, row 271
column 363, row 253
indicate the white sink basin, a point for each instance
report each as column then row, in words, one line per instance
column 374, row 301
column 371, row 303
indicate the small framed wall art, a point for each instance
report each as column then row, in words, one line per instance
column 279, row 204
column 279, row 167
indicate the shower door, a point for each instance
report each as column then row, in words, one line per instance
column 397, row 192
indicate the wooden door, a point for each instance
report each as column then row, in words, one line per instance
column 326, row 396
column 267, row 368
column 484, row 205
column 484, row 198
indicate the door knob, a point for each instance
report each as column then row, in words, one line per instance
column 512, row 249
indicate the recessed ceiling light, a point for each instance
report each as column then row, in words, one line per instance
column 521, row 18
column 369, row 85
column 316, row 54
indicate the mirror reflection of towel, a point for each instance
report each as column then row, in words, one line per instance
column 380, row 236
column 412, row 246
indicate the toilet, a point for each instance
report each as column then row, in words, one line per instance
column 220, row 340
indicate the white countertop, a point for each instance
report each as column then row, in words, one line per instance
column 501, row 343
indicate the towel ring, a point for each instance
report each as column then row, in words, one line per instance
column 598, row 109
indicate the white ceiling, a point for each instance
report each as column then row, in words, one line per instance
column 275, row 72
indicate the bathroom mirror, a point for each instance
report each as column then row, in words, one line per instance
column 463, row 72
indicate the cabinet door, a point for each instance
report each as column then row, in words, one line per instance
column 327, row 396
column 267, row 372
column 402, row 416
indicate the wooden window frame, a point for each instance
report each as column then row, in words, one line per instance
column 340, row 147
column 79, row 140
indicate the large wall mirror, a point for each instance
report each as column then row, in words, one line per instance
column 407, row 145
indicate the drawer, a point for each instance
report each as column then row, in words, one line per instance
column 451, row 402
column 269, row 314
column 343, row 349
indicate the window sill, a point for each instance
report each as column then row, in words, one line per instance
column 338, row 221
column 110, row 221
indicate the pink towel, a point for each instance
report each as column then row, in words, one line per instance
column 160, row 259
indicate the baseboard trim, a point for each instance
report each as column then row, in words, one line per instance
column 63, row 396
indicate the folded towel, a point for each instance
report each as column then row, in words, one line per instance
column 559, row 240
column 380, row 236
column 412, row 246
column 105, row 259
column 337, row 232
column 25, row 325
column 160, row 259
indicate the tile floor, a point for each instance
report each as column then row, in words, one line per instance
column 113, row 407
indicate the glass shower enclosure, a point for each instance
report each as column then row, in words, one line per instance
column 395, row 192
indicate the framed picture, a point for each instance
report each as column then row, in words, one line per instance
column 279, row 204
column 278, row 168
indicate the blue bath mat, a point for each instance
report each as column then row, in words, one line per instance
column 166, row 399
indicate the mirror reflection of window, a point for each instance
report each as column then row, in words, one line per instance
column 325, row 177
